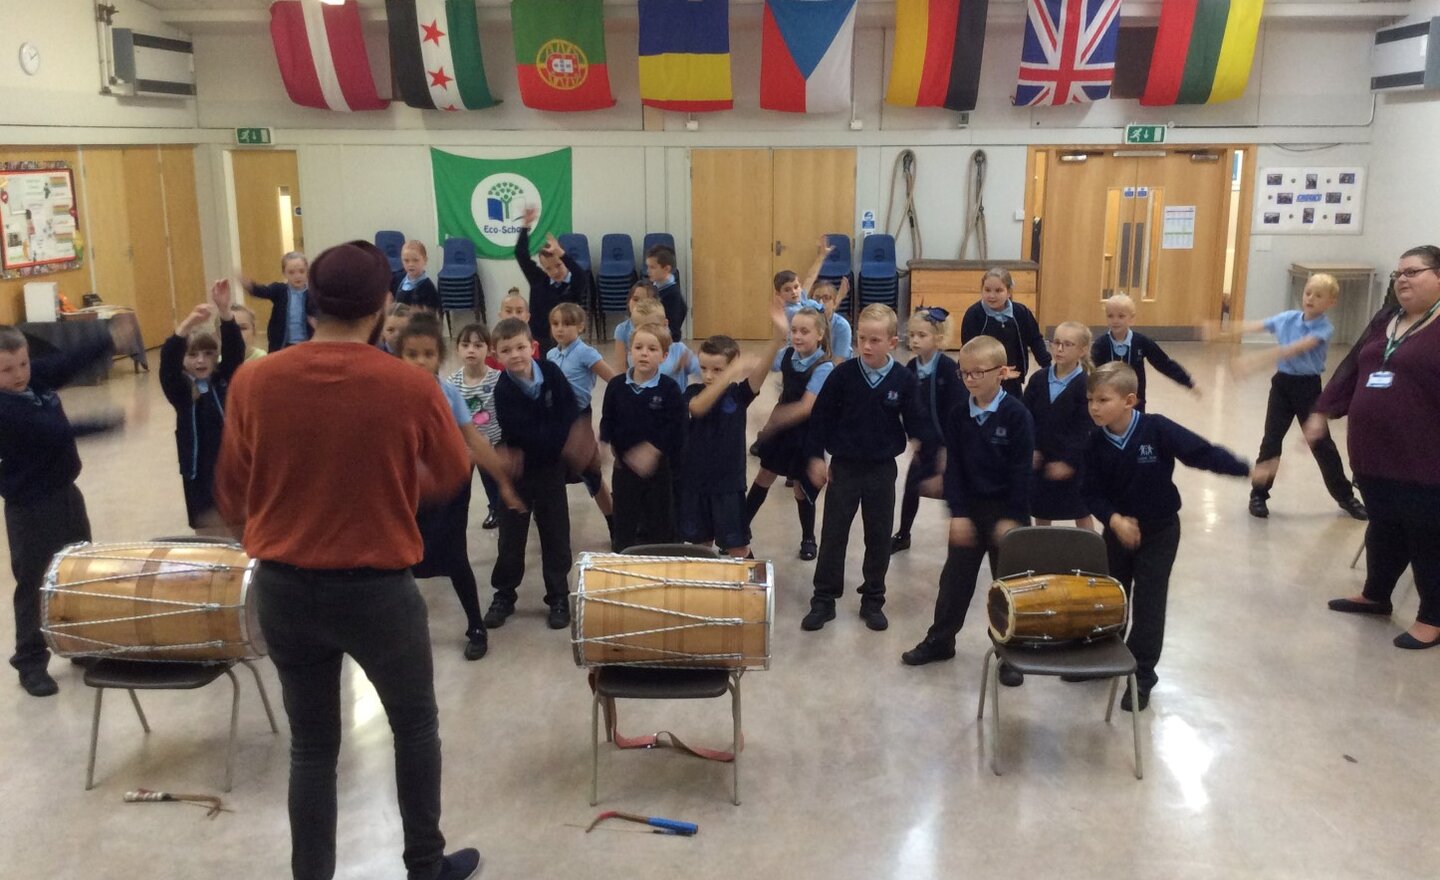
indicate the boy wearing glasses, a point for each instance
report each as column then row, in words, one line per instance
column 989, row 446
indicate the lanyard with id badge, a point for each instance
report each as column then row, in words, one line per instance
column 1383, row 378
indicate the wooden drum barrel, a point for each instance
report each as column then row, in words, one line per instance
column 1048, row 608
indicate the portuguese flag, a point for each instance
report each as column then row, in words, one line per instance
column 435, row 55
column 1203, row 51
column 560, row 54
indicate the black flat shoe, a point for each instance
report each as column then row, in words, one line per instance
column 1010, row 676
column 899, row 542
column 808, row 550
column 1355, row 509
column 1410, row 643
column 489, row 522
column 38, row 683
column 1350, row 606
column 927, row 652
column 1128, row 705
column 1259, row 509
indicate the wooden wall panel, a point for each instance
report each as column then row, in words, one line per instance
column 182, row 221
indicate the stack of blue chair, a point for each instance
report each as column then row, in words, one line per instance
column 617, row 271
column 577, row 247
column 654, row 238
column 391, row 242
column 838, row 267
column 459, row 279
column 879, row 279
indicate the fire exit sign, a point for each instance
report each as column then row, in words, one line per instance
column 1145, row 134
column 253, row 137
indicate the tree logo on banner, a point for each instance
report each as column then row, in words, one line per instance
column 562, row 65
column 498, row 203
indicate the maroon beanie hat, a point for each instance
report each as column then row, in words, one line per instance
column 349, row 281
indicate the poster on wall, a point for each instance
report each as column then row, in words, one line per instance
column 38, row 217
column 1301, row 201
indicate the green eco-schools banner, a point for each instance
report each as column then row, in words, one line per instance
column 484, row 199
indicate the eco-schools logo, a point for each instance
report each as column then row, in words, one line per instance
column 498, row 204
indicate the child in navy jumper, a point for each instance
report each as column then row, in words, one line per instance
column 1056, row 398
column 412, row 286
column 44, row 510
column 537, row 413
column 998, row 315
column 1125, row 345
column 195, row 384
column 582, row 365
column 865, row 412
column 643, row 420
column 989, row 446
column 557, row 278
column 940, row 389
column 712, row 481
column 660, row 269
column 291, row 311
column 1128, row 486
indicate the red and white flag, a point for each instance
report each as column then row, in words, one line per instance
column 321, row 51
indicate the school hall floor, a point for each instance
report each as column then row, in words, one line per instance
column 1283, row 741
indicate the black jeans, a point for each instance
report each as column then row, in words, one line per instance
column 644, row 506
column 868, row 486
column 311, row 620
column 1145, row 574
column 962, row 567
column 542, row 488
column 37, row 531
column 1291, row 400
column 1404, row 530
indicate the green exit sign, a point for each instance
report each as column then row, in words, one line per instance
column 253, row 137
column 1145, row 134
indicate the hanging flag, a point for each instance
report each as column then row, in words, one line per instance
column 1069, row 52
column 806, row 49
column 435, row 55
column 685, row 55
column 321, row 52
column 1133, row 50
column 1203, row 51
column 560, row 54
column 484, row 199
column 938, row 45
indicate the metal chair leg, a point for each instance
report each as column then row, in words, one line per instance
column 94, row 739
column 736, row 744
column 1135, row 726
column 234, row 726
column 1110, row 703
column 264, row 697
column 984, row 680
column 595, row 749
column 995, row 719
column 135, row 700
column 1355, row 560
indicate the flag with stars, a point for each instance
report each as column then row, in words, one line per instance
column 435, row 55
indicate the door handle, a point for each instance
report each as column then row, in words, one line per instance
column 1139, row 255
column 1124, row 253
column 778, row 247
column 1108, row 275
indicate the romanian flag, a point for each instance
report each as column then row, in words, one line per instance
column 938, row 44
column 685, row 55
column 1203, row 51
column 806, row 47
column 560, row 54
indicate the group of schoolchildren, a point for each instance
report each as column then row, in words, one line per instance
column 1072, row 444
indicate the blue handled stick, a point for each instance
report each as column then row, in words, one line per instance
column 663, row 826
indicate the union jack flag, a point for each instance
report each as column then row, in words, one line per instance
column 1069, row 54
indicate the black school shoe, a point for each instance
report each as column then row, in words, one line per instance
column 1258, row 508
column 38, row 683
column 490, row 521
column 497, row 615
column 809, row 550
column 927, row 652
column 900, row 541
column 559, row 615
column 1128, row 706
column 1356, row 510
column 820, row 614
column 477, row 645
column 1350, row 606
column 462, row 864
column 874, row 618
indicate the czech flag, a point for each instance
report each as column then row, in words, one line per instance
column 685, row 55
column 806, row 50
column 938, row 45
column 1203, row 51
column 321, row 52
column 560, row 54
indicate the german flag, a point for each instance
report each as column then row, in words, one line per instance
column 1203, row 51
column 938, row 45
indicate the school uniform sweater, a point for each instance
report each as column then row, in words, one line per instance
column 673, row 300
column 1062, row 426
column 939, row 391
column 853, row 420
column 1142, row 349
column 655, row 414
column 1137, row 480
column 546, row 294
column 199, row 419
column 538, row 426
column 990, row 461
column 1020, row 335
column 423, row 295
column 37, row 441
column 278, row 294
column 715, row 443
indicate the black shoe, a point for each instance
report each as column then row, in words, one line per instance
column 900, row 541
column 927, row 652
column 559, row 615
column 477, row 646
column 1128, row 706
column 1010, row 676
column 490, row 521
column 1404, row 640
column 820, row 614
column 808, row 551
column 38, row 683
column 1258, row 508
column 755, row 448
column 497, row 615
column 461, row 865
column 1350, row 606
column 1356, row 510
column 875, row 619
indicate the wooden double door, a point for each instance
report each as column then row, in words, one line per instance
column 268, row 217
column 754, row 213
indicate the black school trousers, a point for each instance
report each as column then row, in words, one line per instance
column 867, row 486
column 1144, row 572
column 644, row 506
column 1403, row 531
column 962, row 567
column 542, row 488
column 1292, row 398
column 37, row 530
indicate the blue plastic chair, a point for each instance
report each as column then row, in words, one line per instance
column 838, row 264
column 617, row 271
column 391, row 242
column 577, row 246
column 459, row 278
column 654, row 238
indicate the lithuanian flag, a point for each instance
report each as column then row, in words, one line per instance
column 560, row 54
column 1203, row 51
column 938, row 44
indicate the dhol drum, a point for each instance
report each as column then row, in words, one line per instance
column 151, row 601
column 672, row 612
column 1048, row 608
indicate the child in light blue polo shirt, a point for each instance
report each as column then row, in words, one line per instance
column 1304, row 335
column 581, row 364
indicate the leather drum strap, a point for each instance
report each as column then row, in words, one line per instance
column 659, row 740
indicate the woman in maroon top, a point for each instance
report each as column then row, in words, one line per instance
column 1390, row 389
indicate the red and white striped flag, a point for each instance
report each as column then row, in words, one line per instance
column 321, row 51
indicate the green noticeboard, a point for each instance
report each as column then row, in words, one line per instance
column 253, row 137
column 1145, row 134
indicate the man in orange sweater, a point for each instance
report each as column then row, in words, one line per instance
column 329, row 449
